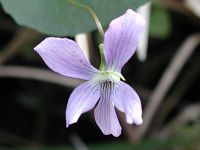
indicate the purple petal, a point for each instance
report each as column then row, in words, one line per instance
column 65, row 57
column 82, row 99
column 105, row 115
column 121, row 39
column 126, row 100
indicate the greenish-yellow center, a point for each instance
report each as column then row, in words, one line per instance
column 109, row 75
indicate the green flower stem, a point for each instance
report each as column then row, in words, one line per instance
column 103, row 63
column 92, row 13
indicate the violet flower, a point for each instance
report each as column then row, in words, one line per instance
column 103, row 87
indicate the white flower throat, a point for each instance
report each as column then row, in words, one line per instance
column 108, row 75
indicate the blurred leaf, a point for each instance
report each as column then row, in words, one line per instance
column 144, row 145
column 160, row 25
column 57, row 17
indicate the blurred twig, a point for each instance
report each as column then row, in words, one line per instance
column 144, row 10
column 190, row 113
column 178, row 92
column 84, row 41
column 178, row 6
column 166, row 81
column 128, row 128
column 37, row 74
column 77, row 142
column 7, row 25
column 22, row 36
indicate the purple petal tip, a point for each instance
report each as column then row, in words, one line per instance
column 138, row 121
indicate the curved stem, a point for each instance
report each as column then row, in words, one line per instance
column 92, row 13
